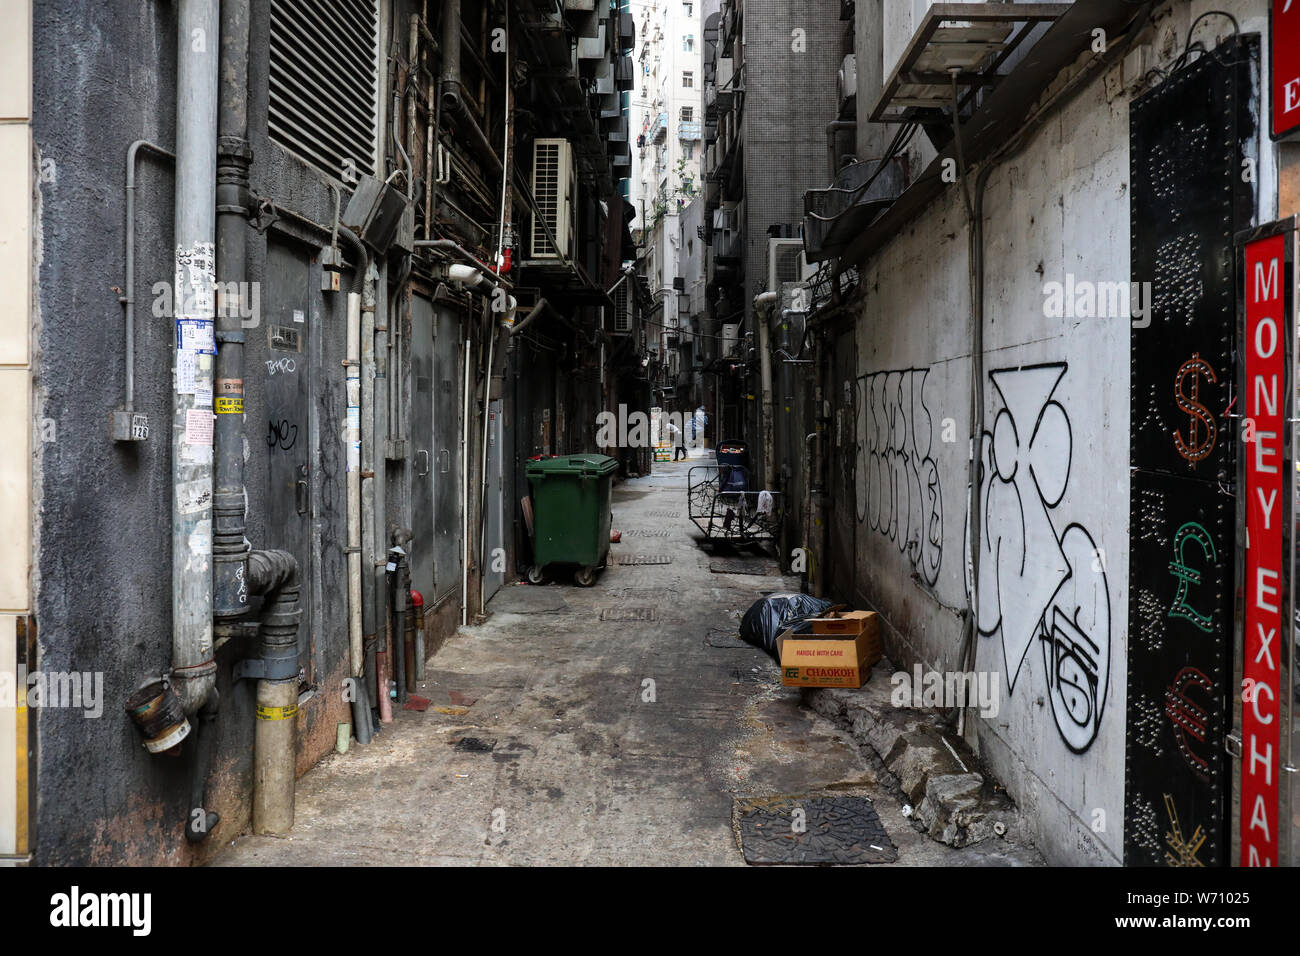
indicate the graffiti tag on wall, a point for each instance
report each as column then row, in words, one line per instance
column 901, row 497
column 1042, row 578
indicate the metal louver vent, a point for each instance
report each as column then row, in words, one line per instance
column 622, row 309
column 323, row 102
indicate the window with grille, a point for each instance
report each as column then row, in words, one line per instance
column 688, row 114
column 324, row 83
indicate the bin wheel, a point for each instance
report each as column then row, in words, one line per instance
column 585, row 577
column 535, row 575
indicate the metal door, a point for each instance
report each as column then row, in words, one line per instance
column 493, row 502
column 285, row 334
column 445, row 463
column 423, row 447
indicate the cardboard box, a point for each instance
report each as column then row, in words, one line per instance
column 810, row 659
column 847, row 623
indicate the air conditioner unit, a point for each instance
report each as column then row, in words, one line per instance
column 730, row 339
column 554, row 188
column 622, row 308
column 786, row 263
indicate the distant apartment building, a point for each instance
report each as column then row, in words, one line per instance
column 770, row 91
column 667, row 108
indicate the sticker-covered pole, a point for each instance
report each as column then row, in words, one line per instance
column 194, row 346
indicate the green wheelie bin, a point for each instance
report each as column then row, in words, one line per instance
column 571, row 513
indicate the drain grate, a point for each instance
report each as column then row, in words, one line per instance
column 627, row 614
column 663, row 514
column 643, row 559
column 647, row 594
column 811, row 830
column 648, row 532
column 762, row 566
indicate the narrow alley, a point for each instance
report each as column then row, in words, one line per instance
column 833, row 440
column 544, row 720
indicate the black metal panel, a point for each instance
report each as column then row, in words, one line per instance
column 1191, row 139
column 1180, row 616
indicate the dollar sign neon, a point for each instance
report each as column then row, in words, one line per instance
column 1197, row 447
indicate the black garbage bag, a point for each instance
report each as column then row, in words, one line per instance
column 767, row 618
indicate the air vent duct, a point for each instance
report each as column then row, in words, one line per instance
column 323, row 91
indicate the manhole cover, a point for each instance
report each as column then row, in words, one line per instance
column 643, row 559
column 627, row 614
column 649, row 532
column 743, row 566
column 475, row 745
column 811, row 831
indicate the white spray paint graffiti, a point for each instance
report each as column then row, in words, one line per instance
column 1035, row 582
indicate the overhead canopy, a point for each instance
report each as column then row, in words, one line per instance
column 999, row 116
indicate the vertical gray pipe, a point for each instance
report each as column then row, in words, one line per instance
column 234, row 158
column 371, row 620
column 450, row 80
column 194, row 670
column 378, row 532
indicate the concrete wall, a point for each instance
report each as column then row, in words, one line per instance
column 104, row 76
column 1056, row 401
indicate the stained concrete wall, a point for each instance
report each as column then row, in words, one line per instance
column 1060, row 207
column 104, row 76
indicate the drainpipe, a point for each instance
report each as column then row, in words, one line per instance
column 401, row 585
column 237, row 571
column 194, row 671
column 370, row 601
column 376, row 539
column 352, row 443
column 763, row 303
column 464, row 486
column 541, row 306
column 234, row 202
column 833, row 128
column 274, row 574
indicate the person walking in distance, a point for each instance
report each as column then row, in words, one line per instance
column 698, row 421
column 675, row 436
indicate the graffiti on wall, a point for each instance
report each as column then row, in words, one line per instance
column 901, row 497
column 1042, row 578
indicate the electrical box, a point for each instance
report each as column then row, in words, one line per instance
column 375, row 212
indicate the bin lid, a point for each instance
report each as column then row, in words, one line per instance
column 588, row 465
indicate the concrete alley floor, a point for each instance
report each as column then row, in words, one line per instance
column 565, row 756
